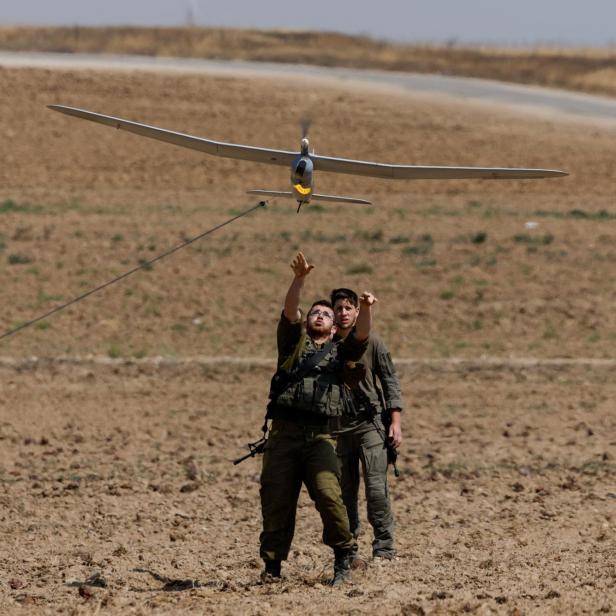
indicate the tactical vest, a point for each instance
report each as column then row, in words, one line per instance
column 317, row 393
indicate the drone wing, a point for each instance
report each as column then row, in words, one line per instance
column 227, row 150
column 321, row 163
column 423, row 172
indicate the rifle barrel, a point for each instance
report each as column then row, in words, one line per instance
column 250, row 454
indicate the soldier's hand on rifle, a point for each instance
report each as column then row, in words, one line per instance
column 300, row 266
column 395, row 429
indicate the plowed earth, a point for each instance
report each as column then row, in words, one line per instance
column 116, row 488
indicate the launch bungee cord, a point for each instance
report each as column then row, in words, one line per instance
column 144, row 265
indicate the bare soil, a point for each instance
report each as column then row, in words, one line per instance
column 120, row 475
column 505, row 502
column 459, row 269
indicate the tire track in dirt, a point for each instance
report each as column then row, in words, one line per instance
column 452, row 363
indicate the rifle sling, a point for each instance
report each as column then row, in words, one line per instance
column 312, row 361
column 306, row 366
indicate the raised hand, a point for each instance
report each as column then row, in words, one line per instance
column 300, row 266
column 367, row 299
column 364, row 320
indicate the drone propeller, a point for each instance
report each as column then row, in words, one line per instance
column 305, row 143
column 306, row 124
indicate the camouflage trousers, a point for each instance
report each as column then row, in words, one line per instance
column 368, row 451
column 294, row 455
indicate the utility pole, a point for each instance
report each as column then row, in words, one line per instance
column 191, row 13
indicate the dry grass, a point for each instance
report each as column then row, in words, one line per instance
column 587, row 70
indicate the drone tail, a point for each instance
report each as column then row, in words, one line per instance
column 339, row 199
column 313, row 196
column 270, row 193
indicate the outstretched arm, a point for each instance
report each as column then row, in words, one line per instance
column 301, row 268
column 364, row 319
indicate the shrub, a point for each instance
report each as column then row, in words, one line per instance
column 17, row 259
column 360, row 268
column 400, row 239
column 533, row 240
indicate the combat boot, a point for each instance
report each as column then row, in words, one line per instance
column 342, row 566
column 271, row 573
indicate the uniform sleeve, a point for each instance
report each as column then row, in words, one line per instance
column 384, row 368
column 287, row 337
column 352, row 349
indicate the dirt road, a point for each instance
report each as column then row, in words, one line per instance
column 528, row 99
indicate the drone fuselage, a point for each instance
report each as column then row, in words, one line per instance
column 301, row 178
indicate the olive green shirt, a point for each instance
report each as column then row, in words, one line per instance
column 379, row 388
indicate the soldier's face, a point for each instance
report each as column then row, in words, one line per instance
column 320, row 320
column 345, row 313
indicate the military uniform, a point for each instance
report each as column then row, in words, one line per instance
column 361, row 440
column 300, row 448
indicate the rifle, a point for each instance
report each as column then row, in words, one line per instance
column 392, row 452
column 255, row 448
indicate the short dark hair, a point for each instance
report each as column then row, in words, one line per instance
column 343, row 293
column 321, row 302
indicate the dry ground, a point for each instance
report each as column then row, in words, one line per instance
column 456, row 266
column 505, row 504
column 506, row 500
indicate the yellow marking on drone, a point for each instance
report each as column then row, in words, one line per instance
column 302, row 190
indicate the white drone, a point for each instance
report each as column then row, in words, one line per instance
column 304, row 163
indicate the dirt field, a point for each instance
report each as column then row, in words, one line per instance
column 505, row 504
column 122, row 472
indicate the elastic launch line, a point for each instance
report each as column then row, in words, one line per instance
column 126, row 274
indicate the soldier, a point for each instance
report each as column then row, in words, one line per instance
column 306, row 394
column 362, row 439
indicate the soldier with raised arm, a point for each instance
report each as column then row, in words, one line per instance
column 368, row 430
column 305, row 396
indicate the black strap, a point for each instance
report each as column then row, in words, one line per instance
column 364, row 399
column 302, row 369
column 312, row 361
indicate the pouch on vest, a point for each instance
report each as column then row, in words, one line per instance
column 291, row 388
